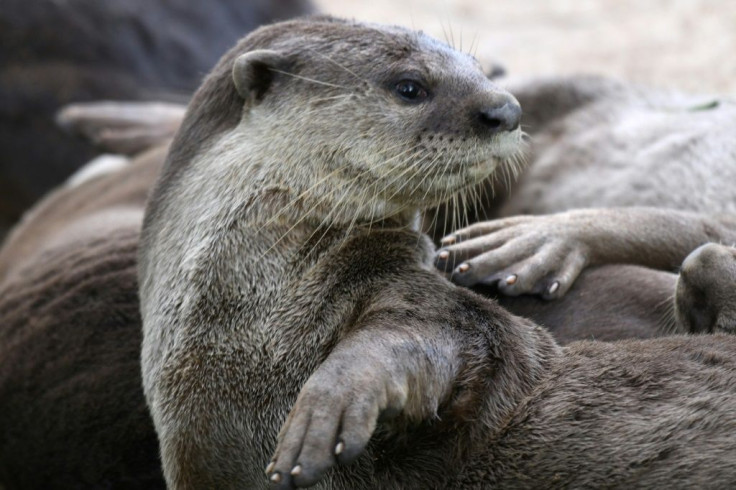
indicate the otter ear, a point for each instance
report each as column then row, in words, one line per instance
column 253, row 72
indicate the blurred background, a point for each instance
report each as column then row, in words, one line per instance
column 53, row 52
column 683, row 44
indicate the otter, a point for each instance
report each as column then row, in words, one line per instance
column 624, row 182
column 72, row 411
column 380, row 141
column 281, row 273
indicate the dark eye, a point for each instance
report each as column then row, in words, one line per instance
column 411, row 91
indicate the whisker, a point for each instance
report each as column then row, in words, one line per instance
column 444, row 32
column 338, row 64
column 452, row 36
column 302, row 195
column 474, row 45
column 309, row 79
column 333, row 97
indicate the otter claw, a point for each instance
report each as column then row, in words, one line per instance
column 276, row 478
column 339, row 448
column 554, row 287
column 270, row 467
column 511, row 280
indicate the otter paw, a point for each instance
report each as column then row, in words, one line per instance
column 331, row 423
column 520, row 255
column 705, row 295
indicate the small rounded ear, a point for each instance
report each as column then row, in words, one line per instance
column 252, row 72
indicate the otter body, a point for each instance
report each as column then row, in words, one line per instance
column 259, row 218
column 629, row 414
column 280, row 275
column 601, row 143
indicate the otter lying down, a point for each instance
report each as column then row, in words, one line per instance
column 281, row 279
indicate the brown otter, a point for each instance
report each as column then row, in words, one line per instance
column 275, row 270
column 72, row 411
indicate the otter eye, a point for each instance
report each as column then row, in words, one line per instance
column 411, row 91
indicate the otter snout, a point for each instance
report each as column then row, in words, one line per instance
column 502, row 114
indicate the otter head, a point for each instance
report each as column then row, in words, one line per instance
column 366, row 121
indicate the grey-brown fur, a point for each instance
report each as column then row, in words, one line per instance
column 250, row 298
column 631, row 414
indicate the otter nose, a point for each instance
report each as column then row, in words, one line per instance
column 501, row 117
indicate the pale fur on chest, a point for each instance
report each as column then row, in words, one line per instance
column 236, row 248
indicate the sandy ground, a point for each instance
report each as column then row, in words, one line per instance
column 683, row 44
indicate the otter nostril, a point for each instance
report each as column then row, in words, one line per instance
column 502, row 118
column 491, row 122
